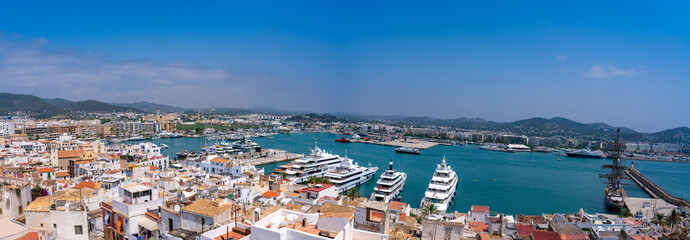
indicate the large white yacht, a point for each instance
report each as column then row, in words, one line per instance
column 389, row 185
column 348, row 174
column 315, row 164
column 441, row 190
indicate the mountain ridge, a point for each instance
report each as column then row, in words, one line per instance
column 536, row 126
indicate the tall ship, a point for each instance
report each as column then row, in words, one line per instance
column 409, row 150
column 613, row 192
column 584, row 153
column 441, row 190
column 315, row 164
column 389, row 185
column 347, row 174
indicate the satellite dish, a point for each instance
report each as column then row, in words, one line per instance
column 176, row 208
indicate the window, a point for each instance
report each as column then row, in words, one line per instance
column 78, row 230
column 21, row 210
column 375, row 215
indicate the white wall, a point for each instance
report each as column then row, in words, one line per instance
column 65, row 221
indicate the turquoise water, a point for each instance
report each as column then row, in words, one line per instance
column 524, row 183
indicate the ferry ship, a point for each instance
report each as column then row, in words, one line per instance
column 315, row 164
column 389, row 186
column 613, row 192
column 348, row 175
column 585, row 154
column 136, row 138
column 408, row 150
column 441, row 190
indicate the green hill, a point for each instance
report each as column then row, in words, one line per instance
column 32, row 104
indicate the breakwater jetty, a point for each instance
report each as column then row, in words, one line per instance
column 655, row 190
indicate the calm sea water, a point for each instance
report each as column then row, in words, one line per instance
column 513, row 183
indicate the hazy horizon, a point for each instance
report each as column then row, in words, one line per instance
column 619, row 63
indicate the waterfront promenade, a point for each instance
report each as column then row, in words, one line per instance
column 268, row 156
column 655, row 190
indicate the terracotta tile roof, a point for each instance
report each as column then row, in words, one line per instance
column 62, row 174
column 70, row 153
column 220, row 160
column 271, row 194
column 524, row 230
column 46, row 170
column 545, row 235
column 530, row 219
column 478, row 226
column 338, row 215
column 153, row 167
column 153, row 216
column 40, row 204
column 85, row 184
column 232, row 234
column 29, row 236
column 205, row 207
column 397, row 205
column 476, row 208
column 335, row 208
column 114, row 171
column 314, row 188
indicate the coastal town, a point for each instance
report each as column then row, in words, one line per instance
column 99, row 176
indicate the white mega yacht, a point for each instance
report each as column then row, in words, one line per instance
column 389, row 185
column 441, row 190
column 315, row 164
column 348, row 174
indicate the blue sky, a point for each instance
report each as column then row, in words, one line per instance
column 622, row 63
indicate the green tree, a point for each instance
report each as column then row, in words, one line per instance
column 659, row 218
column 352, row 194
column 283, row 175
column 673, row 219
column 429, row 209
column 625, row 213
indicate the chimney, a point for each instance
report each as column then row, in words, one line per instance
column 502, row 228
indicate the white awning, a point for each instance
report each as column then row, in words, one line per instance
column 148, row 224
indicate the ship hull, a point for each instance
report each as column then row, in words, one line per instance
column 408, row 152
column 583, row 156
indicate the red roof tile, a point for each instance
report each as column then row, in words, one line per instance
column 219, row 160
column 314, row 188
column 69, row 153
column 545, row 235
column 271, row 194
column 46, row 170
column 62, row 174
column 87, row 184
column 397, row 205
column 476, row 208
column 524, row 230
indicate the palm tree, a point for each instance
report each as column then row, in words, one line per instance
column 325, row 180
column 428, row 210
column 283, row 175
column 352, row 193
column 625, row 213
column 673, row 219
column 313, row 179
column 659, row 218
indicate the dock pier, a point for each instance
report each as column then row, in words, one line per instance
column 655, row 190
